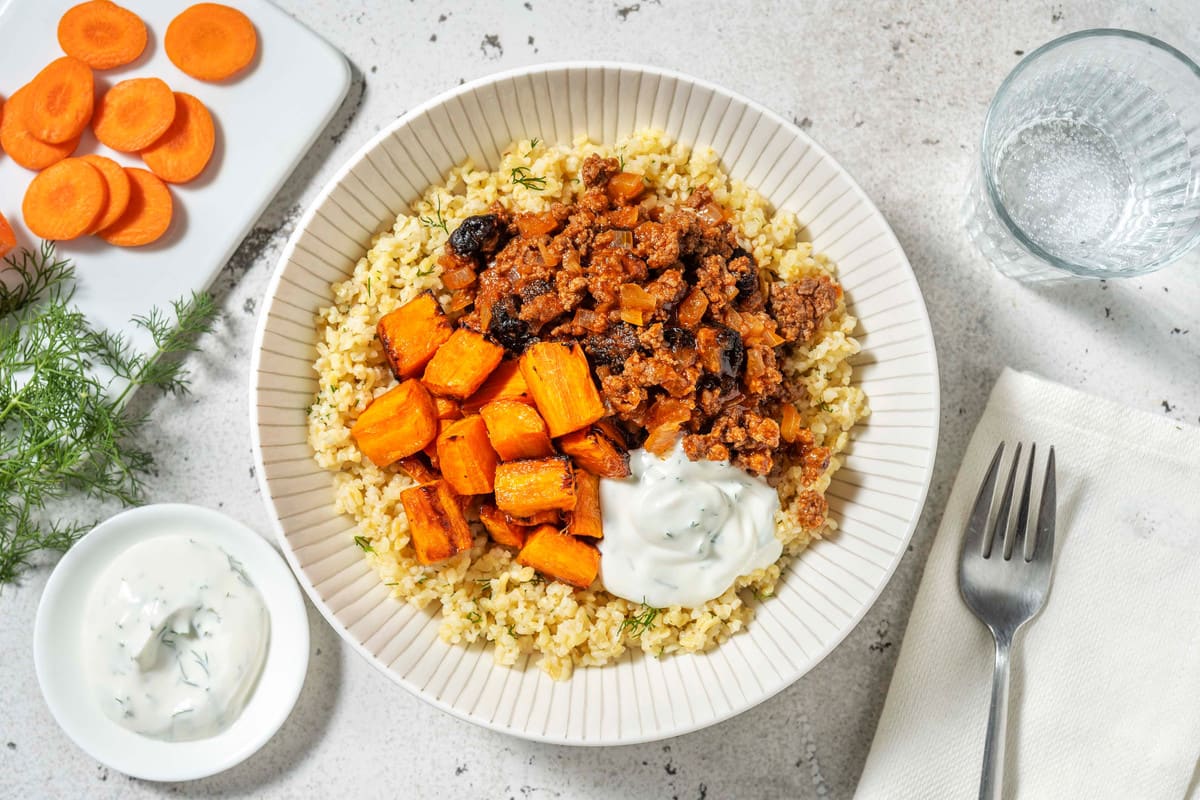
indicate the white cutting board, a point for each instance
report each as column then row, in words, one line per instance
column 266, row 118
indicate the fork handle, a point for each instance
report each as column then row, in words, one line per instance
column 990, row 784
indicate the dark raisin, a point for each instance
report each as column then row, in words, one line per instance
column 613, row 347
column 477, row 235
column 535, row 288
column 733, row 352
column 678, row 337
column 510, row 331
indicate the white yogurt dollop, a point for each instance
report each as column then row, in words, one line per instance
column 175, row 637
column 679, row 532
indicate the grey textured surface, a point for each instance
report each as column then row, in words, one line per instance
column 896, row 92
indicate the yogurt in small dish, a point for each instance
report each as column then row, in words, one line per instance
column 171, row 642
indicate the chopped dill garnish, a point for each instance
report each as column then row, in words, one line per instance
column 485, row 584
column 203, row 662
column 368, row 286
column 436, row 221
column 511, row 632
column 533, row 143
column 621, row 159
column 422, row 579
column 523, row 176
column 424, row 273
column 67, row 436
column 474, row 616
column 828, row 409
column 364, row 544
column 761, row 596
column 640, row 622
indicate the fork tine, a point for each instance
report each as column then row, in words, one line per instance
column 977, row 524
column 998, row 530
column 1019, row 537
column 1043, row 548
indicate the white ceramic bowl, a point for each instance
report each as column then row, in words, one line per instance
column 58, row 640
column 876, row 497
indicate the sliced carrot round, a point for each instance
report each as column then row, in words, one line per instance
column 118, row 189
column 8, row 239
column 24, row 148
column 148, row 214
column 102, row 34
column 210, row 41
column 61, row 97
column 183, row 151
column 134, row 113
column 64, row 200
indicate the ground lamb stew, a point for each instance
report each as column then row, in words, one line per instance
column 698, row 316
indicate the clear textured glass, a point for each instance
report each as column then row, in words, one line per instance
column 1090, row 160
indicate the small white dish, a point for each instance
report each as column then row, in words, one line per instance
column 58, row 659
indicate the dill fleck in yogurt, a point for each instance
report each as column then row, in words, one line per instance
column 174, row 638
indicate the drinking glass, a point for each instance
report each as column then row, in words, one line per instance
column 1090, row 160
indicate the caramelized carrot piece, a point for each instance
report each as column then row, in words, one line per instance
column 585, row 519
column 8, row 239
column 184, row 149
column 118, row 188
column 21, row 145
column 501, row 527
column 447, row 408
column 550, row 517
column 625, row 187
column 516, row 430
column 561, row 557
column 436, row 523
column 412, row 333
column 60, row 100
column 65, row 200
column 561, row 384
column 789, row 424
column 466, row 457
column 462, row 364
column 210, row 41
column 537, row 484
column 592, row 449
column 396, row 424
column 146, row 217
column 505, row 383
column 418, row 469
column 133, row 114
column 102, row 34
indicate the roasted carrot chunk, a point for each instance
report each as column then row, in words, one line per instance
column 447, row 408
column 551, row 517
column 560, row 556
column 412, row 333
column 593, row 450
column 585, row 520
column 466, row 457
column 561, row 385
column 789, row 424
column 625, row 186
column 396, row 424
column 436, row 523
column 536, row 484
column 501, row 527
column 417, row 468
column 462, row 364
column 505, row 383
column 516, row 430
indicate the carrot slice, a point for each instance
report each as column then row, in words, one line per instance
column 8, row 239
column 118, row 189
column 61, row 98
column 102, row 34
column 148, row 214
column 65, row 200
column 24, row 148
column 182, row 153
column 210, row 41
column 134, row 114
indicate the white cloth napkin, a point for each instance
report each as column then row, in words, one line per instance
column 1106, row 680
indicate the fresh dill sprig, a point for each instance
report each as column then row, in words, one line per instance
column 533, row 143
column 66, row 433
column 640, row 622
column 523, row 176
column 424, row 273
column 364, row 544
column 474, row 617
column 436, row 221
column 621, row 160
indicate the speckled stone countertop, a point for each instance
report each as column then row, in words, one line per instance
column 896, row 91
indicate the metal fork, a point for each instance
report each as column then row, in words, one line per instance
column 1005, row 591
